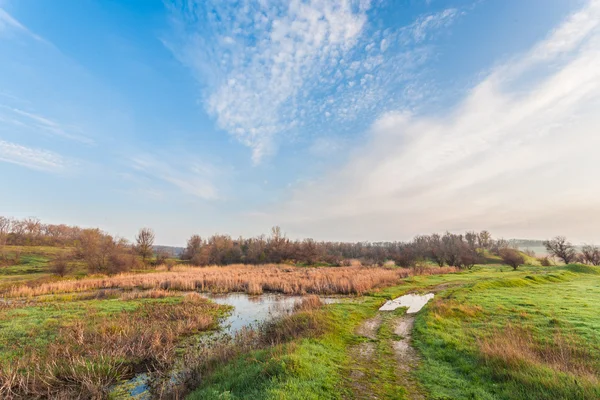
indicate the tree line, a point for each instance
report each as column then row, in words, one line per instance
column 448, row 249
column 103, row 253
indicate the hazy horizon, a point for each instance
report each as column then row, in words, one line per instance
column 339, row 120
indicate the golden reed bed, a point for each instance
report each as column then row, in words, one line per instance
column 239, row 278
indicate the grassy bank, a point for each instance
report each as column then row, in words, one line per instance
column 304, row 368
column 530, row 335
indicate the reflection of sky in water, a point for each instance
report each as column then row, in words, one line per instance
column 414, row 302
column 250, row 310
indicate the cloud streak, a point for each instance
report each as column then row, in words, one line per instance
column 193, row 178
column 9, row 24
column 36, row 122
column 36, row 159
column 517, row 151
column 275, row 67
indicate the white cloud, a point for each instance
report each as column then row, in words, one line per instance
column 37, row 159
column 424, row 25
column 191, row 177
column 518, row 156
column 36, row 122
column 272, row 67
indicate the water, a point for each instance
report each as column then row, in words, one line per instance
column 252, row 310
column 247, row 311
column 414, row 302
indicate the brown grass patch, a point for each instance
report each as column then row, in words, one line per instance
column 147, row 294
column 87, row 357
column 239, row 278
column 516, row 346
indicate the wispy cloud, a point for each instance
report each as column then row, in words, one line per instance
column 272, row 67
column 517, row 151
column 191, row 177
column 38, row 122
column 37, row 159
column 9, row 24
column 425, row 25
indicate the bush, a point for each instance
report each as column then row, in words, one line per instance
column 60, row 265
column 545, row 261
column 512, row 257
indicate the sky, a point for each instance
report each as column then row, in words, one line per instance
column 335, row 119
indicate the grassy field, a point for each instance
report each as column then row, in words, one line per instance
column 489, row 333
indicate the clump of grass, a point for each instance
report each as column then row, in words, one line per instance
column 308, row 303
column 147, row 294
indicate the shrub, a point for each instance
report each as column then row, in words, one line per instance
column 512, row 257
column 545, row 261
column 60, row 265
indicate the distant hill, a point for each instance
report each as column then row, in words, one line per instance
column 172, row 250
column 537, row 246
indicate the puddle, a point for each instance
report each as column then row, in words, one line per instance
column 414, row 302
column 252, row 310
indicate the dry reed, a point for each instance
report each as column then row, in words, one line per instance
column 239, row 278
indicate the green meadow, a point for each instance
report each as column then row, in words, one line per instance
column 489, row 333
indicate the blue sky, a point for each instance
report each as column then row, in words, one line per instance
column 339, row 120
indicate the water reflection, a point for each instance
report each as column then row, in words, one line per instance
column 414, row 302
column 252, row 310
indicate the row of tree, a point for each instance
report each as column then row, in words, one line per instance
column 448, row 249
column 32, row 232
column 105, row 253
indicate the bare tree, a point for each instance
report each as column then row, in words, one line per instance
column 484, row 239
column 436, row 250
column 102, row 253
column 591, row 254
column 144, row 242
column 512, row 257
column 561, row 248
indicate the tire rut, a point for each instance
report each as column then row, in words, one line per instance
column 407, row 358
column 362, row 356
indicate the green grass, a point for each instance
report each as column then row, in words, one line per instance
column 544, row 304
column 305, row 369
column 470, row 308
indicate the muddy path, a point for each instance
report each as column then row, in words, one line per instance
column 383, row 358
